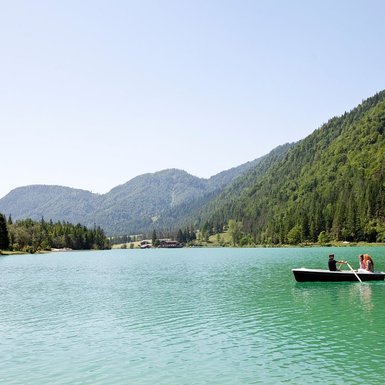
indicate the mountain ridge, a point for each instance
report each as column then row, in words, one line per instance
column 133, row 206
column 327, row 186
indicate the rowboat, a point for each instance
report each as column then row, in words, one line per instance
column 319, row 275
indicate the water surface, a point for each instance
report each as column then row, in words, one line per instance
column 188, row 316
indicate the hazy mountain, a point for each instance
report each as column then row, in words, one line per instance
column 50, row 202
column 144, row 202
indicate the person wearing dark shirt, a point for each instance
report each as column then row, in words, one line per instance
column 333, row 263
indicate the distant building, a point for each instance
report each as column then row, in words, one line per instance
column 169, row 244
column 145, row 244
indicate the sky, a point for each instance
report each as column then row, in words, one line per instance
column 94, row 93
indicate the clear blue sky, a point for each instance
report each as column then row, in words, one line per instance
column 94, row 93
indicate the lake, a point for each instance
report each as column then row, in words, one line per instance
column 188, row 317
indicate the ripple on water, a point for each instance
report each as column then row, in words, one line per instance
column 199, row 317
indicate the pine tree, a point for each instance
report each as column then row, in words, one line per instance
column 4, row 237
column 154, row 238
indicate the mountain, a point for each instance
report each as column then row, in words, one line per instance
column 143, row 203
column 51, row 202
column 207, row 211
column 328, row 186
column 139, row 205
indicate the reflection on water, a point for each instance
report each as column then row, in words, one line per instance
column 364, row 294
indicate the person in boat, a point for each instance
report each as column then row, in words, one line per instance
column 362, row 262
column 333, row 263
column 368, row 263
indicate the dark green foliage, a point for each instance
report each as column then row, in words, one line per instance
column 331, row 183
column 4, row 237
column 185, row 236
column 154, row 239
column 213, row 217
column 31, row 236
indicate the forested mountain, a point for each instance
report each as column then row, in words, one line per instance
column 51, row 202
column 140, row 204
column 215, row 207
column 146, row 202
column 329, row 186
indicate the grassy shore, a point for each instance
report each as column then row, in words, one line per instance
column 7, row 252
column 224, row 240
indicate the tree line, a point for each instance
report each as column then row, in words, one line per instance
column 31, row 236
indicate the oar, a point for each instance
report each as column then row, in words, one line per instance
column 354, row 272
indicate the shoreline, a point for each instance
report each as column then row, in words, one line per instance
column 209, row 246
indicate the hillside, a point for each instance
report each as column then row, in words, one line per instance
column 212, row 211
column 143, row 203
column 51, row 202
column 140, row 204
column 329, row 186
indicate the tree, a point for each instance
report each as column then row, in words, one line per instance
column 31, row 236
column 294, row 235
column 4, row 237
column 235, row 231
column 154, row 239
column 322, row 238
column 180, row 237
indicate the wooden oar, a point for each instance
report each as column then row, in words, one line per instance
column 354, row 272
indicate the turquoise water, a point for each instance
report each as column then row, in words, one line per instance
column 188, row 316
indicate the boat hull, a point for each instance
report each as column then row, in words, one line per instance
column 319, row 275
